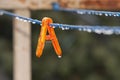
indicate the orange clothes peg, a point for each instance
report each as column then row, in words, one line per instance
column 51, row 36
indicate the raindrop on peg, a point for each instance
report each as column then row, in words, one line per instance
column 59, row 56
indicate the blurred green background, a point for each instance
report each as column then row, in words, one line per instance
column 86, row 56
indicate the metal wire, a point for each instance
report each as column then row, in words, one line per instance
column 83, row 11
column 21, row 18
column 96, row 29
column 107, row 30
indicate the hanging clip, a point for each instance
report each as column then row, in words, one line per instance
column 51, row 36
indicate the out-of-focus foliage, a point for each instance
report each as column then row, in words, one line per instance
column 86, row 56
column 6, row 55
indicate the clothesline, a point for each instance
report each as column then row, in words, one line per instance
column 107, row 30
column 57, row 7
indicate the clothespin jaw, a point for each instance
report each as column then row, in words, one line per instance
column 51, row 36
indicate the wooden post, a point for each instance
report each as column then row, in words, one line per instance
column 22, row 47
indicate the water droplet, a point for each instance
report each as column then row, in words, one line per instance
column 117, row 15
column 62, row 28
column 108, row 32
column 66, row 28
column 17, row 18
column 84, row 29
column 25, row 20
column 33, row 22
column 60, row 25
column 79, row 12
column 29, row 21
column 100, row 14
column 89, row 30
column 59, row 56
column 20, row 19
column 106, row 14
column 114, row 15
column 98, row 31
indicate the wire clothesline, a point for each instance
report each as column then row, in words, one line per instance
column 107, row 30
column 21, row 18
column 57, row 7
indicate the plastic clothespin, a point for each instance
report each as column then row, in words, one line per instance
column 51, row 36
